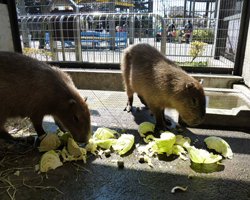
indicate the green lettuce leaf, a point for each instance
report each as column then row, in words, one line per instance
column 202, row 156
column 165, row 143
column 124, row 143
column 50, row 160
column 145, row 127
column 219, row 145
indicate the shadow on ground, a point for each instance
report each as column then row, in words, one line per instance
column 101, row 179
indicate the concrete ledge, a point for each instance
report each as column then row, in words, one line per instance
column 96, row 79
column 111, row 80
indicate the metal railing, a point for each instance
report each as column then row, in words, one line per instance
column 63, row 35
column 101, row 37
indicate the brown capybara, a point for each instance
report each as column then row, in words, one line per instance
column 161, row 84
column 31, row 88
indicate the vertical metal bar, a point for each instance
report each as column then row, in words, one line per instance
column 56, row 38
column 77, row 34
column 112, row 31
column 14, row 26
column 193, row 8
column 242, row 39
column 62, row 36
column 131, row 29
column 24, row 32
column 163, row 35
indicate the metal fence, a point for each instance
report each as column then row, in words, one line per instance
column 92, row 32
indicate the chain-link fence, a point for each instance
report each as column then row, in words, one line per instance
column 196, row 33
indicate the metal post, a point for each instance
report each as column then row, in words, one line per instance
column 131, row 25
column 242, row 39
column 62, row 37
column 77, row 36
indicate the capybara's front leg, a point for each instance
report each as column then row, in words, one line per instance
column 37, row 123
column 159, row 117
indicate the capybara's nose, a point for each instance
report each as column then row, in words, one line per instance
column 84, row 138
column 197, row 122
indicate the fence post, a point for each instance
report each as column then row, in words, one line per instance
column 77, row 36
column 62, row 37
column 163, row 35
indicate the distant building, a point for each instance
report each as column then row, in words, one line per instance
column 176, row 11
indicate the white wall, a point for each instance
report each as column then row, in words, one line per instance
column 246, row 65
column 6, row 42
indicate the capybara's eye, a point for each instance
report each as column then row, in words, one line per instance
column 76, row 119
column 194, row 101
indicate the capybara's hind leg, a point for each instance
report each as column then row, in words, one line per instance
column 5, row 135
column 142, row 101
column 128, row 108
column 130, row 94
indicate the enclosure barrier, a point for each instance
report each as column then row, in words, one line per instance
column 101, row 38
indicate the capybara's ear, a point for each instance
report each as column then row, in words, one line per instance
column 85, row 99
column 72, row 102
column 201, row 81
column 190, row 85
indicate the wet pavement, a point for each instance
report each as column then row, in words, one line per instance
column 100, row 178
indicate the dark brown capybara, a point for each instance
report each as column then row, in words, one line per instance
column 160, row 84
column 31, row 88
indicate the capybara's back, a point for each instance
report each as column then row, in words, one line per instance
column 31, row 88
column 160, row 84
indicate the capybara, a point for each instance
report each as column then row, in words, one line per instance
column 160, row 84
column 32, row 88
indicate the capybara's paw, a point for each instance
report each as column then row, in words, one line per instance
column 39, row 139
column 128, row 108
column 167, row 122
column 159, row 129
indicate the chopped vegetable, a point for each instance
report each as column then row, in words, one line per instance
column 124, row 143
column 148, row 138
column 106, row 143
column 141, row 159
column 202, row 156
column 17, row 173
column 73, row 148
column 104, row 137
column 146, row 149
column 74, row 151
column 91, row 146
column 120, row 164
column 145, row 127
column 63, row 136
column 68, row 157
column 50, row 160
column 49, row 142
column 180, row 151
column 147, row 159
column 107, row 153
column 219, row 145
column 179, row 188
column 183, row 141
column 104, row 133
column 165, row 143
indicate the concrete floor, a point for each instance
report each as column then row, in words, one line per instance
column 101, row 179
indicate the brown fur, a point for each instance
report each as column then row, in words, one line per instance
column 160, row 83
column 31, row 88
